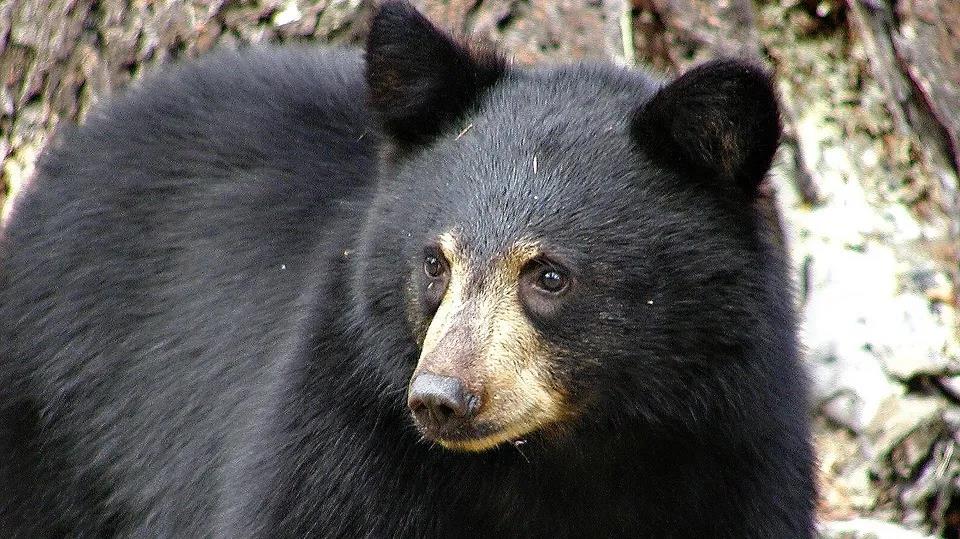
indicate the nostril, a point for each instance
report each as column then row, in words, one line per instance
column 417, row 406
column 443, row 413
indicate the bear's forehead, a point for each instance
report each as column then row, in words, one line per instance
column 491, row 212
column 540, row 126
column 583, row 98
column 547, row 158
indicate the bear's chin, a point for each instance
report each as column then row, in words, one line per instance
column 477, row 445
column 478, row 440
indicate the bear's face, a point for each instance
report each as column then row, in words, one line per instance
column 559, row 231
column 531, row 264
column 474, row 316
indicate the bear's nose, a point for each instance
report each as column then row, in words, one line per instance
column 440, row 403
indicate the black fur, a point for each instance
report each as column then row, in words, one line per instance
column 419, row 79
column 204, row 303
column 737, row 126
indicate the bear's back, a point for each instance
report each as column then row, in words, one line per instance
column 139, row 267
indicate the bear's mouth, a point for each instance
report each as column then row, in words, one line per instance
column 479, row 437
column 462, row 434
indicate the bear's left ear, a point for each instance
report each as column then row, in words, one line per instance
column 721, row 119
column 420, row 80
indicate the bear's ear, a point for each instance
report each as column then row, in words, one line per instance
column 721, row 119
column 420, row 80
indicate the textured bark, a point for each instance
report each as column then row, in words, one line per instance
column 914, row 52
column 57, row 57
column 711, row 28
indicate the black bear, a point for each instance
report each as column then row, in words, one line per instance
column 416, row 293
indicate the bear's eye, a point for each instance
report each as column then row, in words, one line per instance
column 546, row 277
column 544, row 284
column 433, row 266
column 437, row 270
column 551, row 280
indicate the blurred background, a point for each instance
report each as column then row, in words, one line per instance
column 866, row 181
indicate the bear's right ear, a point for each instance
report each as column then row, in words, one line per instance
column 420, row 80
column 720, row 120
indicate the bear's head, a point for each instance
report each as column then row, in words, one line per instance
column 564, row 248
